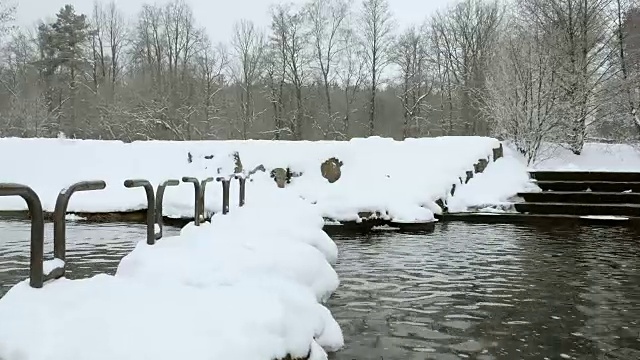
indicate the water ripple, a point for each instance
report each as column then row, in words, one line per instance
column 468, row 291
column 91, row 248
column 490, row 292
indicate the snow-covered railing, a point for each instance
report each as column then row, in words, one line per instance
column 57, row 268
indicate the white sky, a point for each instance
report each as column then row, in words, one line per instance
column 217, row 16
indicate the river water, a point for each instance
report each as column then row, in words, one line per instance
column 467, row 291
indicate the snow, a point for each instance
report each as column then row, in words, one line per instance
column 495, row 189
column 605, row 217
column 496, row 186
column 399, row 179
column 74, row 217
column 49, row 265
column 239, row 288
column 594, row 157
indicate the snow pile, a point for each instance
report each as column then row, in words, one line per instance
column 239, row 288
column 495, row 187
column 594, row 157
column 502, row 180
column 400, row 179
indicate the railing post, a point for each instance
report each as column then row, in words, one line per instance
column 225, row 193
column 198, row 192
column 151, row 208
column 159, row 204
column 203, row 187
column 243, row 182
column 36, row 275
column 59, row 217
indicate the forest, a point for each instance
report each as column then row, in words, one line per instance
column 525, row 71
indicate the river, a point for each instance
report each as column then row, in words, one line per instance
column 467, row 291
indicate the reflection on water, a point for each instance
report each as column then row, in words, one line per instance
column 468, row 291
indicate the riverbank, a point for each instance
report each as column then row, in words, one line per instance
column 399, row 181
column 224, row 289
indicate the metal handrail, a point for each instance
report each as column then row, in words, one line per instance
column 242, row 180
column 203, row 187
column 159, row 204
column 226, row 182
column 198, row 193
column 59, row 219
column 151, row 208
column 36, row 274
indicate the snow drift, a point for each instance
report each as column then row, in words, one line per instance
column 239, row 288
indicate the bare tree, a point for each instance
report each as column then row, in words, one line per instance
column 580, row 31
column 522, row 89
column 287, row 26
column 327, row 19
column 626, row 18
column 248, row 46
column 411, row 56
column 377, row 25
column 352, row 74
column 466, row 34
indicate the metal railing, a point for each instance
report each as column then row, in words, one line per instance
column 154, row 216
column 36, row 275
column 198, row 192
column 60, row 223
column 151, row 206
column 159, row 205
column 226, row 185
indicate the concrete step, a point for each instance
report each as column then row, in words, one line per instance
column 585, row 176
column 584, row 197
column 597, row 186
column 632, row 210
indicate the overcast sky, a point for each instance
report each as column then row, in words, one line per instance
column 217, row 16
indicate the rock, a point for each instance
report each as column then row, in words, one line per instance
column 480, row 166
column 280, row 176
column 330, row 169
column 469, row 176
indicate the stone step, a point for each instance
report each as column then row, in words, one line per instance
column 632, row 210
column 597, row 186
column 584, row 197
column 585, row 176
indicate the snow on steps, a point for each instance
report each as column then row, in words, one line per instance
column 223, row 290
column 399, row 179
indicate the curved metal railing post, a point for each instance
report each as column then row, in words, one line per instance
column 225, row 193
column 203, row 187
column 36, row 274
column 151, row 208
column 159, row 204
column 198, row 192
column 242, row 180
column 59, row 217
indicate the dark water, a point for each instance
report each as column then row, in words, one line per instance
column 468, row 291
column 91, row 248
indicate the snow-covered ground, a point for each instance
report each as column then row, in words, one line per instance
column 400, row 178
column 494, row 189
column 595, row 157
column 247, row 286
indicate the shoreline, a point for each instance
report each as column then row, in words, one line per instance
column 348, row 227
